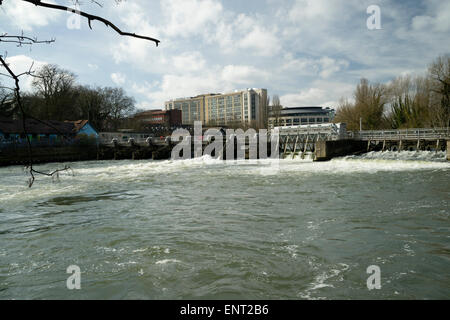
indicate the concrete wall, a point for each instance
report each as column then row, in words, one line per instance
column 326, row 150
column 48, row 154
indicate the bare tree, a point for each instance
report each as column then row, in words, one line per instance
column 439, row 73
column 370, row 102
column 276, row 110
column 21, row 40
column 118, row 104
column 55, row 86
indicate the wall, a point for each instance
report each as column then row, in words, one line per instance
column 327, row 150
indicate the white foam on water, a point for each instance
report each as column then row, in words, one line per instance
column 320, row 280
column 166, row 261
column 91, row 175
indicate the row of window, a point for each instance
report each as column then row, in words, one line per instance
column 227, row 108
column 298, row 121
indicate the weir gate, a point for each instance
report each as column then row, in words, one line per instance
column 331, row 140
column 320, row 141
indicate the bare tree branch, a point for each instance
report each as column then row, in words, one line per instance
column 90, row 18
column 32, row 171
column 22, row 40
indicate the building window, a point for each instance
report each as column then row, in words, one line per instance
column 253, row 107
column 319, row 120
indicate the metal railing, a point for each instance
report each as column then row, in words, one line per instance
column 405, row 134
column 328, row 131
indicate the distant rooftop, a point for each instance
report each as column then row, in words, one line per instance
column 214, row 94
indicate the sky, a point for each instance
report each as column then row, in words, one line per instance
column 308, row 52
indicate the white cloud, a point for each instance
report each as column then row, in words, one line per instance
column 438, row 18
column 242, row 75
column 92, row 66
column 331, row 66
column 189, row 17
column 295, row 48
column 118, row 78
column 188, row 61
column 20, row 64
column 322, row 93
column 321, row 13
column 216, row 79
column 25, row 16
column 324, row 66
column 261, row 41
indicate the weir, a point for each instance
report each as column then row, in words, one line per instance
column 323, row 141
column 327, row 141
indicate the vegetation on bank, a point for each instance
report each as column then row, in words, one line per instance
column 56, row 95
column 406, row 102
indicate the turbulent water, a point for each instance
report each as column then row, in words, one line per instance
column 205, row 229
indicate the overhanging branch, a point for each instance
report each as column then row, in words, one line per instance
column 90, row 18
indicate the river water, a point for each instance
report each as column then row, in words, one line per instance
column 205, row 229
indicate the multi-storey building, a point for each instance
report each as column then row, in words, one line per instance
column 287, row 117
column 240, row 108
column 192, row 109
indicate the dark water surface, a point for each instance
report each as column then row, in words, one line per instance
column 204, row 229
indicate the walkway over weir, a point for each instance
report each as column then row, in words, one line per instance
column 329, row 140
column 404, row 135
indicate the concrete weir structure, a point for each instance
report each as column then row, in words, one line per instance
column 323, row 141
column 327, row 141
column 448, row 150
column 326, row 150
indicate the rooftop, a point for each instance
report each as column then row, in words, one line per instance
column 32, row 126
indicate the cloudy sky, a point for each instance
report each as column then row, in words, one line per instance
column 309, row 52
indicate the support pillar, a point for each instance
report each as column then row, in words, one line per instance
column 295, row 147
column 306, row 146
column 285, row 145
column 448, row 150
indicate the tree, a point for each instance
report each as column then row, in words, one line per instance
column 6, row 103
column 346, row 113
column 21, row 40
column 439, row 74
column 90, row 105
column 369, row 106
column 276, row 110
column 119, row 105
column 409, row 102
column 55, row 86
